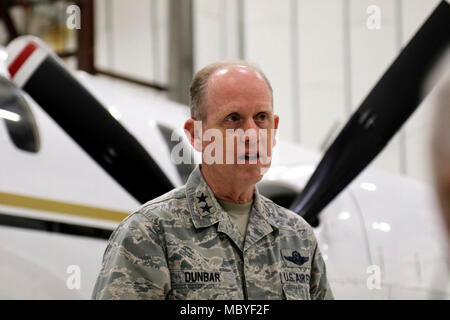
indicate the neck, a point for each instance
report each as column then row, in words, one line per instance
column 224, row 188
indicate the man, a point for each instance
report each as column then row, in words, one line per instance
column 217, row 237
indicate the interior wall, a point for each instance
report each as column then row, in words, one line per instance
column 320, row 56
column 323, row 60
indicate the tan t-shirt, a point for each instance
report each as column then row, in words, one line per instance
column 238, row 212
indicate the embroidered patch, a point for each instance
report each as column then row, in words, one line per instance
column 204, row 203
column 295, row 258
column 200, row 277
column 294, row 277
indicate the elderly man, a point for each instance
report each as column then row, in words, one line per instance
column 217, row 237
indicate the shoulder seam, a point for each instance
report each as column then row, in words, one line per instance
column 163, row 198
column 301, row 224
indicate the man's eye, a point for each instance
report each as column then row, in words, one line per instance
column 233, row 118
column 261, row 117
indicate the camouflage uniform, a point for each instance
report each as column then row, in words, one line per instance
column 182, row 245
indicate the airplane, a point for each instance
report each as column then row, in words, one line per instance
column 80, row 152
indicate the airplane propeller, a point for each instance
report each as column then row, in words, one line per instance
column 37, row 70
column 386, row 108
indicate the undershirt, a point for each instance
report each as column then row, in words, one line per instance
column 238, row 212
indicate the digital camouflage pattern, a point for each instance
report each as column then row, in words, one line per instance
column 183, row 245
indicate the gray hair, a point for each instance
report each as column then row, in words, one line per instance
column 199, row 85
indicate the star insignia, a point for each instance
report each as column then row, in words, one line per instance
column 206, row 208
column 202, row 198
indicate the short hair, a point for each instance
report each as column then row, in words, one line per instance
column 199, row 84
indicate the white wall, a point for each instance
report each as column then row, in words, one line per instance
column 320, row 56
column 131, row 38
column 322, row 60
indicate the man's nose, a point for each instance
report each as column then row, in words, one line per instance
column 251, row 130
column 250, row 124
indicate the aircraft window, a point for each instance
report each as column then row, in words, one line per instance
column 183, row 169
column 18, row 118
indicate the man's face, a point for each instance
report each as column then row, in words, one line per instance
column 239, row 98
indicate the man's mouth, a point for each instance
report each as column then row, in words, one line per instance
column 250, row 156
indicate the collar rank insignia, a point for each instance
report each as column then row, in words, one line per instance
column 297, row 258
column 206, row 208
column 202, row 198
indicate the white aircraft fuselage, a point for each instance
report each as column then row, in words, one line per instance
column 381, row 238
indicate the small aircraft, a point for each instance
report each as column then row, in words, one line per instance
column 80, row 152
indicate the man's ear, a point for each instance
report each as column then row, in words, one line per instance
column 193, row 131
column 276, row 119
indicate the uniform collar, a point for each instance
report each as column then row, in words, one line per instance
column 204, row 208
column 206, row 211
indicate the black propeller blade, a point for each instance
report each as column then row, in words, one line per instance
column 88, row 123
column 387, row 107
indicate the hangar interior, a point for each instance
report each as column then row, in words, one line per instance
column 322, row 57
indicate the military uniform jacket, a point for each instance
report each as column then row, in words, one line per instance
column 183, row 245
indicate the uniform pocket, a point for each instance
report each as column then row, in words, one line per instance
column 296, row 292
column 295, row 283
